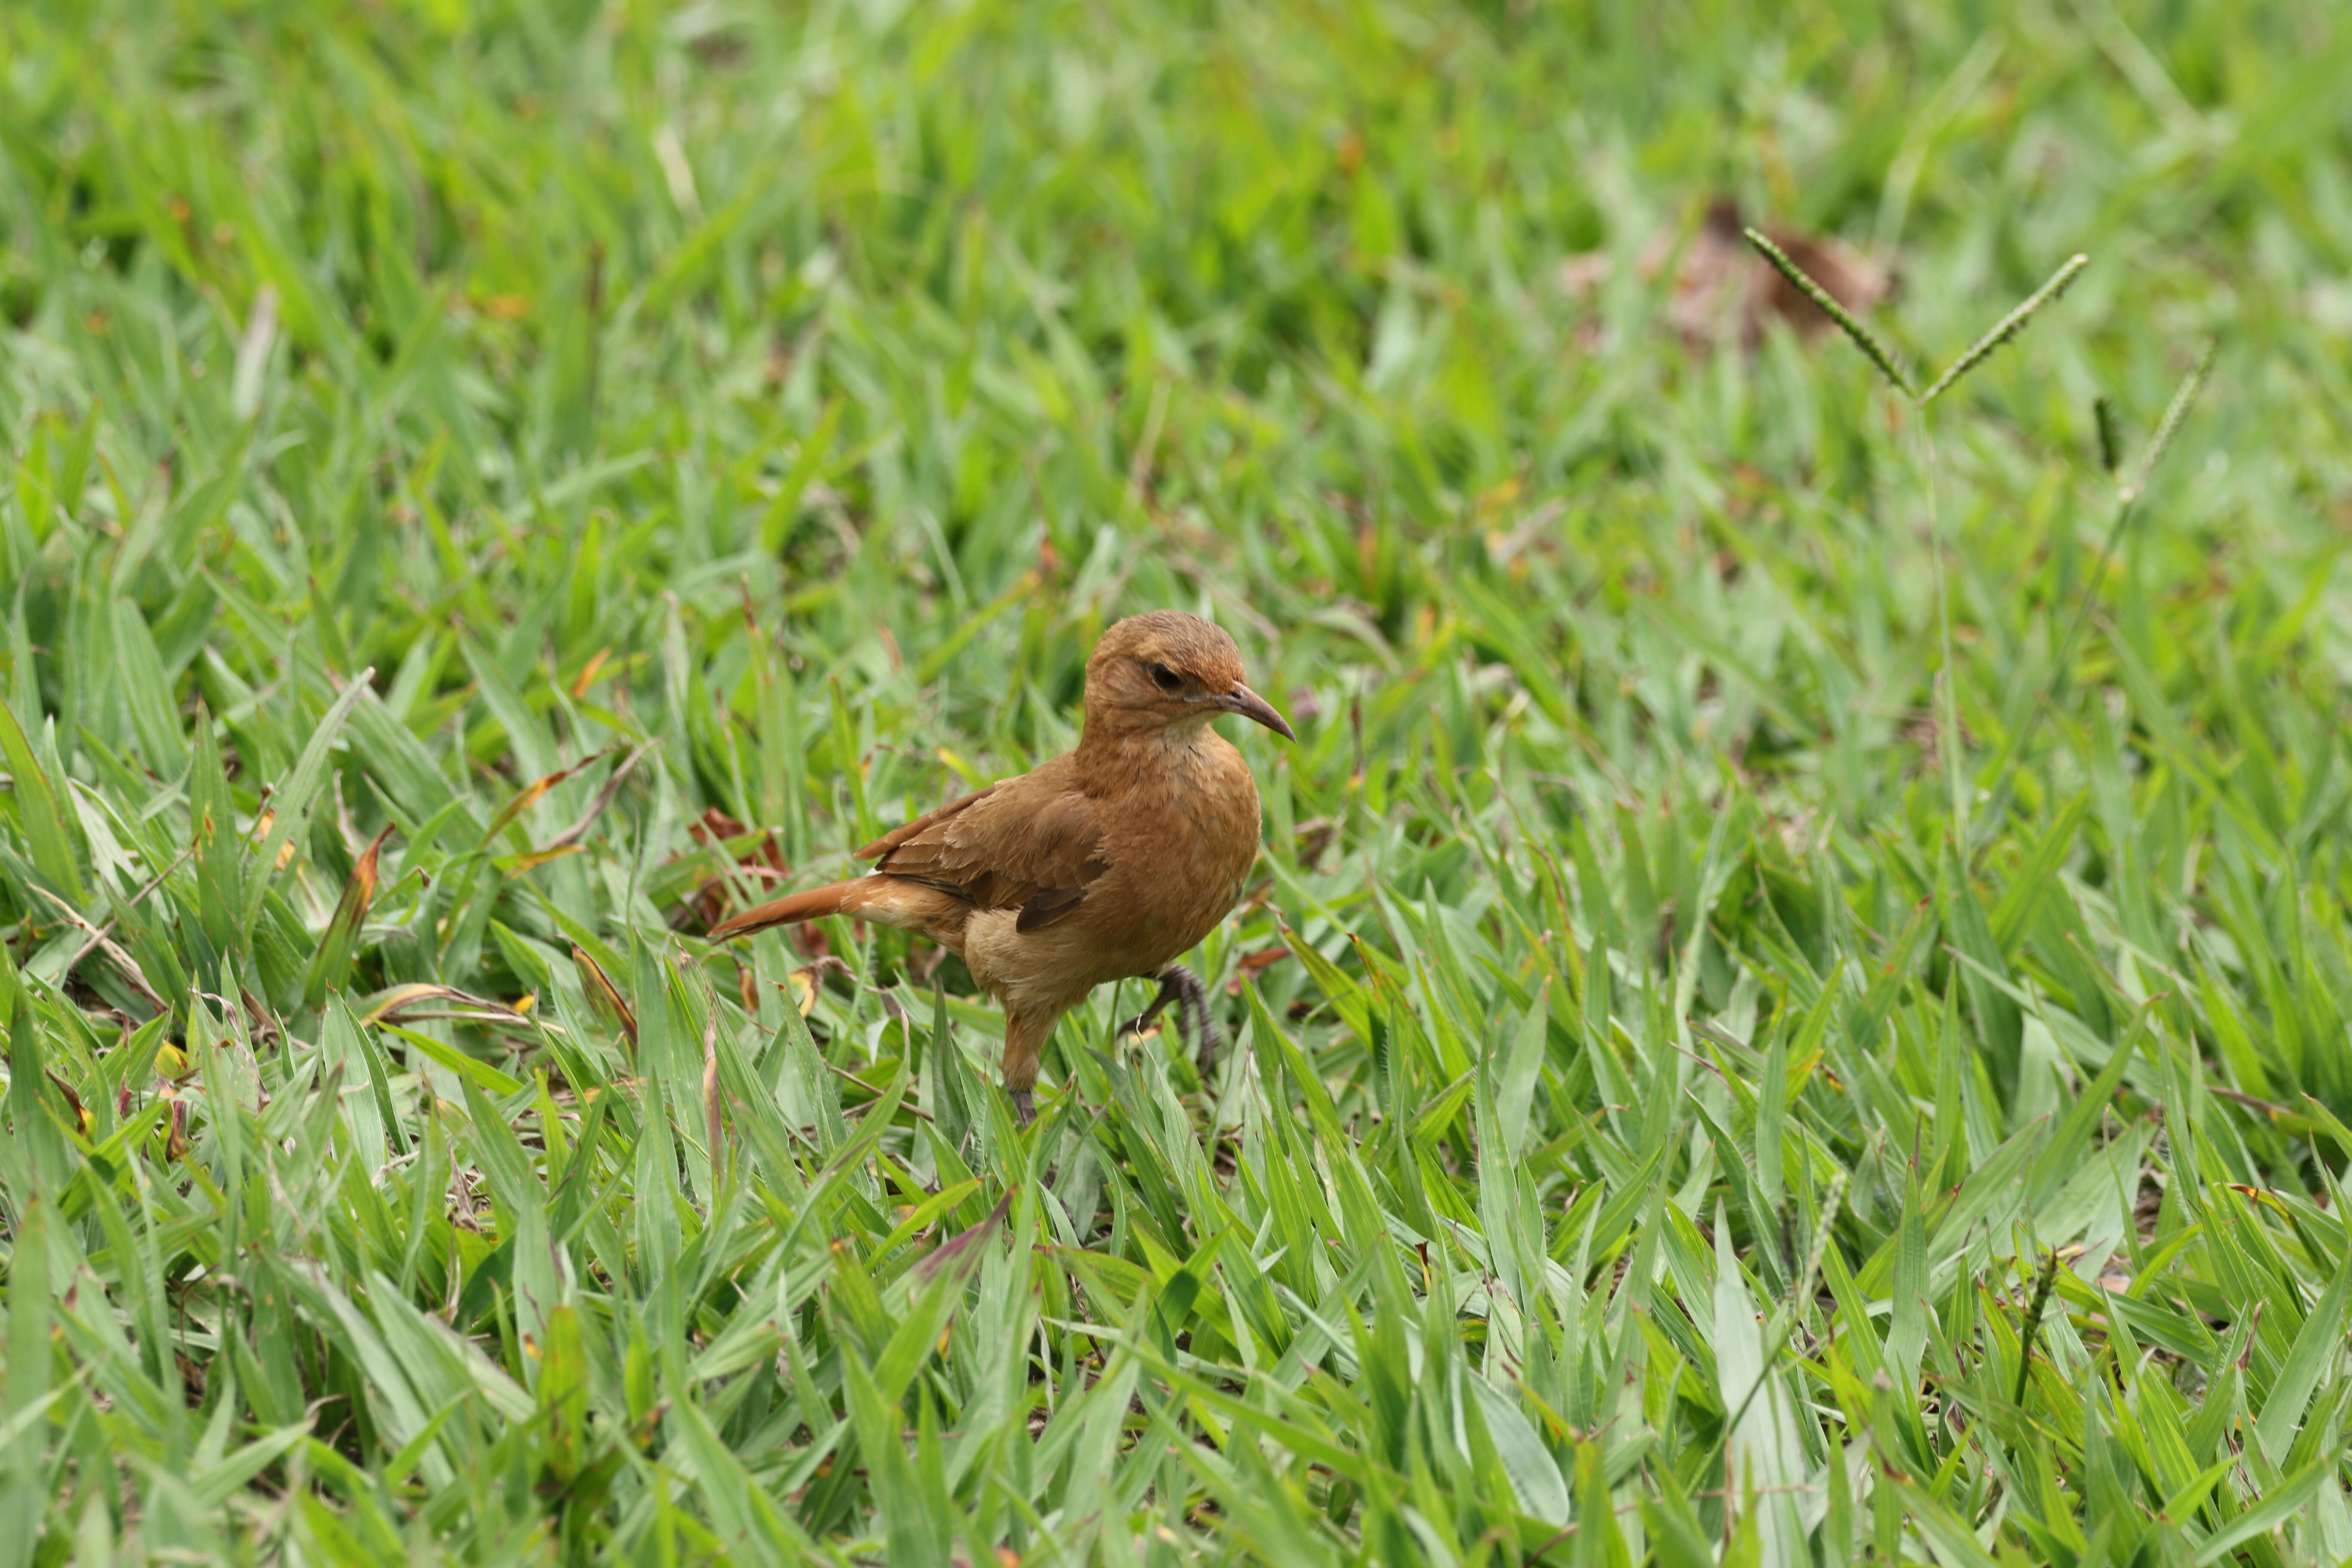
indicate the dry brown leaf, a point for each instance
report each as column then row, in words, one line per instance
column 763, row 858
column 802, row 983
column 602, row 994
column 1724, row 293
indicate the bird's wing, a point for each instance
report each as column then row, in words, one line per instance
column 1032, row 844
column 882, row 846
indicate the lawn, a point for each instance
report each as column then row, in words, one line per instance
column 1795, row 1005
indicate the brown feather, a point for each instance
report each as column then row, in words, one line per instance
column 1030, row 843
column 898, row 836
column 793, row 908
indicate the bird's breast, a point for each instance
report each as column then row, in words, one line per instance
column 1192, row 837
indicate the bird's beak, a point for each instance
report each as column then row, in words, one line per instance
column 1241, row 699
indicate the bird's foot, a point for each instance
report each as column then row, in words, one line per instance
column 1181, row 986
column 1142, row 1022
column 1181, row 989
column 1025, row 1106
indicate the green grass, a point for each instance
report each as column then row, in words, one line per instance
column 1657, row 1129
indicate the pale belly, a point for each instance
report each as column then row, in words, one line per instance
column 1123, row 929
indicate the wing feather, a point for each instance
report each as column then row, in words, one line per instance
column 1032, row 844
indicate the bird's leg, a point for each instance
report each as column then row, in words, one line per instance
column 1024, row 1040
column 1180, row 986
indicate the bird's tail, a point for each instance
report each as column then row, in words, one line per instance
column 815, row 904
column 883, row 900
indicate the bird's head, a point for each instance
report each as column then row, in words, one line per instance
column 1166, row 669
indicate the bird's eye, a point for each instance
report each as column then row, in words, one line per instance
column 1165, row 678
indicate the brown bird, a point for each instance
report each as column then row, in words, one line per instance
column 1103, row 864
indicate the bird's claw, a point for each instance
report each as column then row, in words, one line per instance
column 1180, row 987
column 1141, row 1023
column 1025, row 1106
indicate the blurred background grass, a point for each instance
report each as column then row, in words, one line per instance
column 759, row 409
